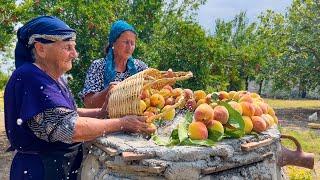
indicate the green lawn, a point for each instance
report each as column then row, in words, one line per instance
column 307, row 104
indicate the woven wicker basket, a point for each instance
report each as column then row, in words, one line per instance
column 124, row 98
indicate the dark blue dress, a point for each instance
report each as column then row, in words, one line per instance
column 29, row 92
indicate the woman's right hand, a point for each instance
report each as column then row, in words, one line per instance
column 136, row 124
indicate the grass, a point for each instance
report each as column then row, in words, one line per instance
column 307, row 104
column 310, row 142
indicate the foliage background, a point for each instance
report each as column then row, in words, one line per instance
column 282, row 49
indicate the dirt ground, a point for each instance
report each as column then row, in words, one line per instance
column 6, row 157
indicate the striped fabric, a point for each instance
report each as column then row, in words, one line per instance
column 55, row 124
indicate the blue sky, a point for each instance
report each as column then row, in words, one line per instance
column 227, row 9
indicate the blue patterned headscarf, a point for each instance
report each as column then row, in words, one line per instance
column 45, row 29
column 117, row 29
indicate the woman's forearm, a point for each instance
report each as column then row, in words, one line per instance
column 93, row 113
column 87, row 129
column 95, row 100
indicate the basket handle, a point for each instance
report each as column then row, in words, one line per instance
column 180, row 76
column 152, row 118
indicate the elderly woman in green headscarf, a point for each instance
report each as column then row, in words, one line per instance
column 118, row 65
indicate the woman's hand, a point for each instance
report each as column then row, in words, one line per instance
column 136, row 124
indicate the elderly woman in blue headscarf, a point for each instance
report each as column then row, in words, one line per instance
column 118, row 65
column 42, row 122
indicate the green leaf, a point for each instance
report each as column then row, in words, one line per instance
column 215, row 135
column 158, row 140
column 190, row 142
column 183, row 127
column 235, row 119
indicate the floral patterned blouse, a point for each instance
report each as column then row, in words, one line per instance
column 94, row 78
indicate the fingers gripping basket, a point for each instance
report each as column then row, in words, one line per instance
column 124, row 98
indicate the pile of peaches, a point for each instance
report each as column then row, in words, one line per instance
column 210, row 115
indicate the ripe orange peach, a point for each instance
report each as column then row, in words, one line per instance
column 203, row 113
column 145, row 94
column 263, row 106
column 214, row 125
column 236, row 106
column 147, row 101
column 220, row 113
column 271, row 111
column 169, row 101
column 267, row 120
column 177, row 92
column 247, row 109
column 248, row 126
column 246, row 98
column 197, row 131
column 208, row 99
column 170, row 114
column 223, row 95
column 165, row 93
column 231, row 94
column 201, row 101
column 148, row 113
column 257, row 110
column 156, row 100
column 152, row 126
column 199, row 94
column 259, row 125
column 271, row 119
column 154, row 110
column 168, row 87
column 188, row 93
column 191, row 104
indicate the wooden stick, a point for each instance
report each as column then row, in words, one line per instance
column 254, row 145
column 134, row 168
column 108, row 150
column 131, row 156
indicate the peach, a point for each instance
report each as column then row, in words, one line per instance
column 154, row 110
column 213, row 105
column 236, row 106
column 191, row 104
column 223, row 95
column 177, row 92
column 145, row 94
column 220, row 113
column 255, row 95
column 148, row 113
column 208, row 99
column 199, row 94
column 214, row 125
column 271, row 111
column 247, row 109
column 203, row 113
column 246, row 98
column 165, row 93
column 275, row 119
column 201, row 101
column 188, row 93
column 271, row 119
column 248, row 126
column 257, row 110
column 169, row 115
column 156, row 100
column 169, row 101
column 238, row 95
column 168, row 87
column 231, row 94
column 263, row 106
column 152, row 126
column 259, row 125
column 142, row 106
column 267, row 120
column 197, row 131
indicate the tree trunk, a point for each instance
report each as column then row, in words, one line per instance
column 260, row 86
column 247, row 83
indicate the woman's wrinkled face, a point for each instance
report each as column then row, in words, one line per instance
column 125, row 44
column 61, row 54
